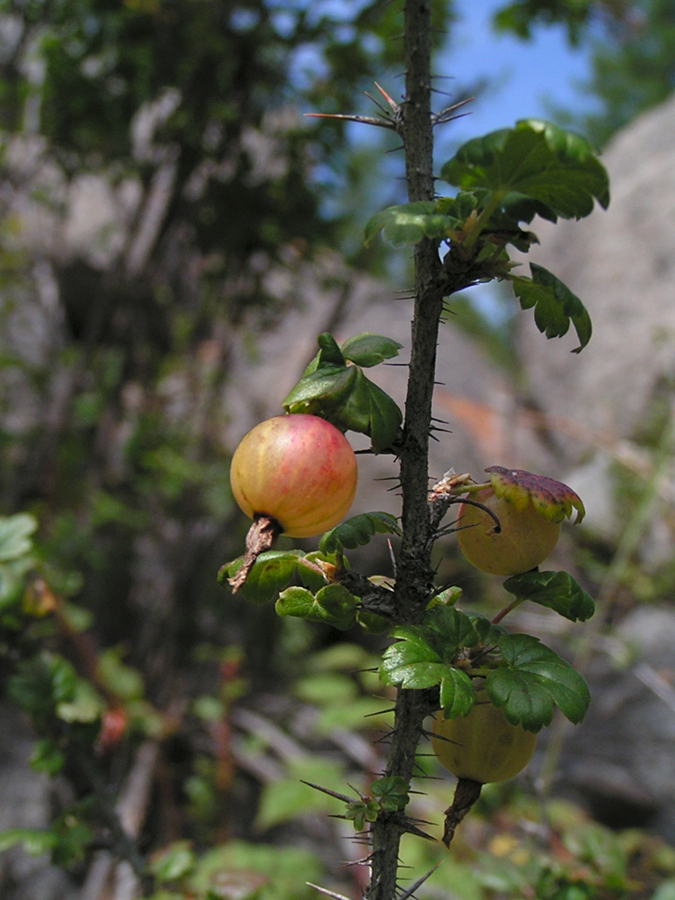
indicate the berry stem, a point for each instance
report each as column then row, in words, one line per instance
column 260, row 537
column 467, row 793
column 506, row 610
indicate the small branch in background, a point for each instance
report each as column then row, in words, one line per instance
column 326, row 892
column 124, row 820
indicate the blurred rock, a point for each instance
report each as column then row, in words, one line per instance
column 621, row 760
column 25, row 803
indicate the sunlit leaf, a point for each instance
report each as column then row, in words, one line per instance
column 555, row 306
column 408, row 223
column 343, row 395
column 370, row 349
column 534, row 160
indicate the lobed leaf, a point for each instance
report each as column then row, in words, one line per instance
column 555, row 306
column 358, row 530
column 535, row 679
column 486, row 631
column 332, row 605
column 535, row 160
column 457, row 694
column 408, row 223
column 361, row 811
column 392, row 792
column 450, row 629
column 554, row 590
column 424, row 654
column 273, row 571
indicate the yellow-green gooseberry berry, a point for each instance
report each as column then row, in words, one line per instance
column 481, row 746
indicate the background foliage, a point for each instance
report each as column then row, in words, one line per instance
column 113, row 468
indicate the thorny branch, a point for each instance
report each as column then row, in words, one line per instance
column 433, row 281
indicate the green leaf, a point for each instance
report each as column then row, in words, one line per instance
column 392, row 792
column 370, row 349
column 15, row 534
column 447, row 597
column 43, row 682
column 372, row 623
column 333, row 605
column 444, row 631
column 555, row 590
column 358, row 530
column 124, row 681
column 408, row 223
column 46, row 757
column 288, row 798
column 85, row 706
column 15, row 559
column 344, row 396
column 555, row 306
column 361, row 811
column 534, row 160
column 13, row 579
column 418, row 675
column 384, row 421
column 424, row 655
column 34, row 841
column 486, row 631
column 322, row 391
column 534, row 679
column 449, row 628
column 457, row 695
column 73, row 837
column 329, row 352
column 172, row 862
column 273, row 571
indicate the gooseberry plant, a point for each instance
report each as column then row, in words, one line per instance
column 490, row 690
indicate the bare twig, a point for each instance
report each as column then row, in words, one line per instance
column 124, row 820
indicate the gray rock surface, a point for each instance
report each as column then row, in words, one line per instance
column 25, row 803
column 622, row 758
